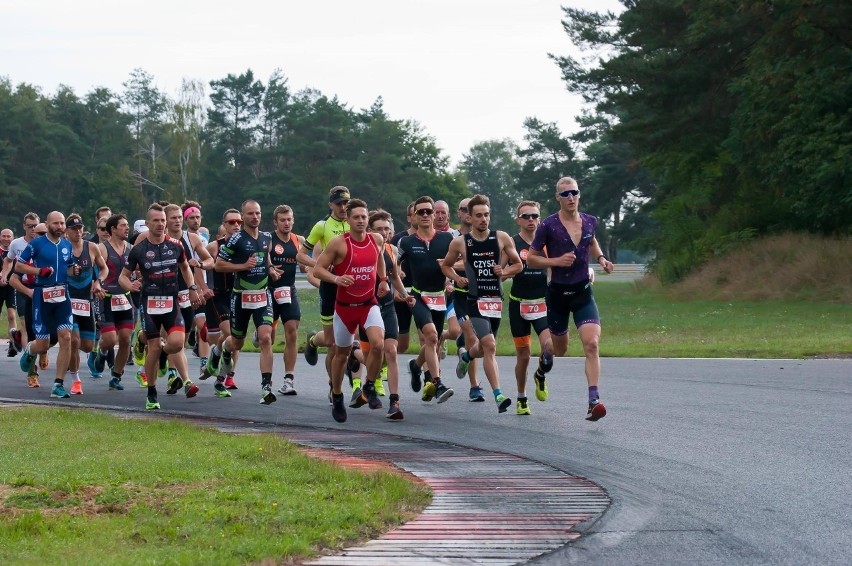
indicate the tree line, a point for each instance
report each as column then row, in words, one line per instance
column 733, row 118
column 708, row 123
column 238, row 137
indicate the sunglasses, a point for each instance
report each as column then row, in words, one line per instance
column 102, row 229
column 463, row 209
column 569, row 192
column 30, row 226
column 42, row 233
column 529, row 216
column 234, row 222
column 424, row 212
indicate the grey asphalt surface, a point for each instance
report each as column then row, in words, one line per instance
column 706, row 461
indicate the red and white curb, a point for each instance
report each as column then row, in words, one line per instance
column 487, row 508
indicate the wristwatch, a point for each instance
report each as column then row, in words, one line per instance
column 193, row 287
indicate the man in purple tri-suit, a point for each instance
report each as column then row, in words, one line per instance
column 564, row 242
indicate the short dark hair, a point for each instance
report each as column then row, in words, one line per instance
column 477, row 200
column 353, row 204
column 377, row 215
column 112, row 222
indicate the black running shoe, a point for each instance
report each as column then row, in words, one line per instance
column 416, row 372
column 372, row 397
column 442, row 392
column 545, row 362
column 268, row 397
column 394, row 412
column 338, row 408
column 311, row 354
column 175, row 383
column 358, row 398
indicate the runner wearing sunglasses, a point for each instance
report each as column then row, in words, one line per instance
column 564, row 242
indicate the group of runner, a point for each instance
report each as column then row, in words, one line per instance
column 87, row 294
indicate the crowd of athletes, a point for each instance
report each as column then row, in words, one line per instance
column 121, row 295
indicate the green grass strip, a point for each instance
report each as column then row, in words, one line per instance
column 86, row 488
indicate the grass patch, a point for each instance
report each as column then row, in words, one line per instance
column 646, row 322
column 105, row 490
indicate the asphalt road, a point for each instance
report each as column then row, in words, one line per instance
column 706, row 461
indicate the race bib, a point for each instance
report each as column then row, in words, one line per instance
column 436, row 301
column 81, row 307
column 253, row 299
column 119, row 303
column 55, row 294
column 282, row 295
column 159, row 305
column 492, row 307
column 183, row 299
column 533, row 309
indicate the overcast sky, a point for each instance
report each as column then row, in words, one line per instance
column 467, row 71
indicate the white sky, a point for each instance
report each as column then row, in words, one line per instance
column 467, row 71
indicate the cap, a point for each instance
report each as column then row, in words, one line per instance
column 74, row 222
column 139, row 226
column 338, row 194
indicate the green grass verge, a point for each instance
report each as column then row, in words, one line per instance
column 87, row 488
column 648, row 323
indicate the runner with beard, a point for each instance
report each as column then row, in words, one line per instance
column 115, row 310
column 484, row 252
column 358, row 268
column 52, row 260
column 161, row 261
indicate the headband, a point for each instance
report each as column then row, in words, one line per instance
column 189, row 211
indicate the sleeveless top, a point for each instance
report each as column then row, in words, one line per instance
column 283, row 256
column 359, row 263
column 531, row 283
column 115, row 263
column 480, row 259
column 80, row 286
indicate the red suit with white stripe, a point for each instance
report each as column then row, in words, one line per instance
column 356, row 304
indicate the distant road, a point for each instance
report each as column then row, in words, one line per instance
column 622, row 272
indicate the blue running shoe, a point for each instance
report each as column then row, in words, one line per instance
column 90, row 361
column 59, row 391
column 476, row 395
column 26, row 362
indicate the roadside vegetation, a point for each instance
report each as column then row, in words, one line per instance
column 88, row 488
